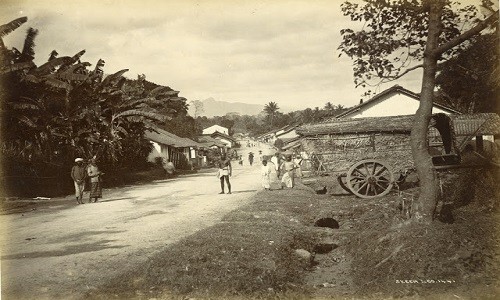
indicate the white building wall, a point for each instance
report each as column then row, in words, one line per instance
column 396, row 104
column 215, row 128
column 226, row 142
column 158, row 151
column 289, row 135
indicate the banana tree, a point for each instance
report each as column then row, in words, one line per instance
column 12, row 60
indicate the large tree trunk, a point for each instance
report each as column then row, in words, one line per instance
column 423, row 208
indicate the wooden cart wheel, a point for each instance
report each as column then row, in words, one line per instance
column 370, row 179
column 342, row 179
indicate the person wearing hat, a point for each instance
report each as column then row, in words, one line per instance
column 250, row 158
column 78, row 173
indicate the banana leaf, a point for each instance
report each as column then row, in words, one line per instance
column 112, row 77
column 16, row 67
column 11, row 26
column 57, row 83
column 140, row 113
column 25, row 106
column 27, row 121
column 77, row 56
column 32, row 78
column 28, row 52
column 71, row 76
column 176, row 99
column 51, row 65
column 163, row 90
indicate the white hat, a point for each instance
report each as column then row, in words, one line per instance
column 78, row 159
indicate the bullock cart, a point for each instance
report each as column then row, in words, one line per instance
column 369, row 156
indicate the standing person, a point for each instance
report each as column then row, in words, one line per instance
column 225, row 172
column 276, row 160
column 288, row 169
column 250, row 158
column 266, row 178
column 95, row 180
column 79, row 174
column 298, row 162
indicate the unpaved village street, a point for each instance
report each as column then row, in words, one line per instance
column 61, row 251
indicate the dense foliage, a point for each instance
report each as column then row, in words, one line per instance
column 64, row 109
column 470, row 81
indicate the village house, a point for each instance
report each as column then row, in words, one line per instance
column 182, row 152
column 394, row 101
column 215, row 128
column 228, row 141
column 287, row 132
column 209, row 142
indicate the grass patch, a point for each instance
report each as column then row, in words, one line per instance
column 250, row 254
column 395, row 258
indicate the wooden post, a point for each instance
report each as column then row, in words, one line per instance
column 479, row 143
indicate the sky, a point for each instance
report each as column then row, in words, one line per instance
column 253, row 51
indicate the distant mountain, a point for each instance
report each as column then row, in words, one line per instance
column 212, row 107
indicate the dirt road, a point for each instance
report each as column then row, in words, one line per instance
column 62, row 251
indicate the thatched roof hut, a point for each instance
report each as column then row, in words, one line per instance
column 338, row 143
column 464, row 125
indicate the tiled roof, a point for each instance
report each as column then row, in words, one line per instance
column 170, row 139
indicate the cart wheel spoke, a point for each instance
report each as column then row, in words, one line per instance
column 369, row 179
column 368, row 188
column 356, row 180
column 383, row 188
column 362, row 186
column 366, row 168
column 361, row 173
column 380, row 171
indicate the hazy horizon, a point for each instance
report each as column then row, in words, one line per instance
column 233, row 51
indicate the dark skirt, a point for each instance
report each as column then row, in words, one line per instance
column 95, row 190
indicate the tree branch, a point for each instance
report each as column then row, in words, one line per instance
column 466, row 35
column 405, row 72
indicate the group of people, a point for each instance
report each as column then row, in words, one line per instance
column 288, row 170
column 80, row 172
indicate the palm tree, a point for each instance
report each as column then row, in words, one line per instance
column 329, row 106
column 271, row 109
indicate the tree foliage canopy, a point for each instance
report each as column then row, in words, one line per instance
column 64, row 108
column 393, row 34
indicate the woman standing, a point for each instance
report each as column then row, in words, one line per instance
column 225, row 171
column 95, row 180
column 288, row 170
column 266, row 172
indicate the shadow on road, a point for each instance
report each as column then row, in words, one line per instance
column 69, row 250
column 117, row 199
column 246, row 191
